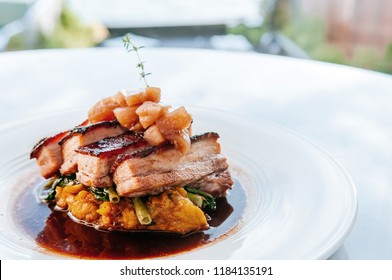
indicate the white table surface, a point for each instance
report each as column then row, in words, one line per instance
column 346, row 111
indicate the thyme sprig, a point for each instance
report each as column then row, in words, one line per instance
column 131, row 47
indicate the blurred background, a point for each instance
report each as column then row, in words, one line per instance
column 351, row 32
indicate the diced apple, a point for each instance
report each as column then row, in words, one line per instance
column 153, row 136
column 119, row 98
column 136, row 127
column 177, row 120
column 134, row 99
column 152, row 94
column 148, row 113
column 126, row 116
column 102, row 110
column 181, row 141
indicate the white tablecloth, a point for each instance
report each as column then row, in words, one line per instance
column 346, row 111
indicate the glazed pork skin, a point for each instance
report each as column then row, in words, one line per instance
column 95, row 160
column 48, row 154
column 155, row 169
column 84, row 135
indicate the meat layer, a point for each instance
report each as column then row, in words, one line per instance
column 95, row 160
column 216, row 184
column 155, row 169
column 48, row 154
column 84, row 135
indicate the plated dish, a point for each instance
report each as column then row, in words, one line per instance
column 289, row 186
column 134, row 165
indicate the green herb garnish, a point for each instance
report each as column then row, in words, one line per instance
column 131, row 47
column 208, row 200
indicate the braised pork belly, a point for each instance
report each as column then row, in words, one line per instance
column 216, row 184
column 134, row 165
column 84, row 135
column 96, row 159
column 47, row 152
column 155, row 169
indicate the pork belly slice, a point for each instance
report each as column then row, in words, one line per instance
column 48, row 154
column 84, row 135
column 95, row 160
column 216, row 184
column 155, row 169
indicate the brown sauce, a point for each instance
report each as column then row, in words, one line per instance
column 56, row 232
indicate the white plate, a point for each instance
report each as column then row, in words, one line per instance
column 301, row 203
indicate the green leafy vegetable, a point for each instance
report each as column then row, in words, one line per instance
column 208, row 200
column 196, row 199
column 105, row 194
column 66, row 180
column 48, row 192
column 100, row 193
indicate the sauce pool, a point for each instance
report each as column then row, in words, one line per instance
column 58, row 233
